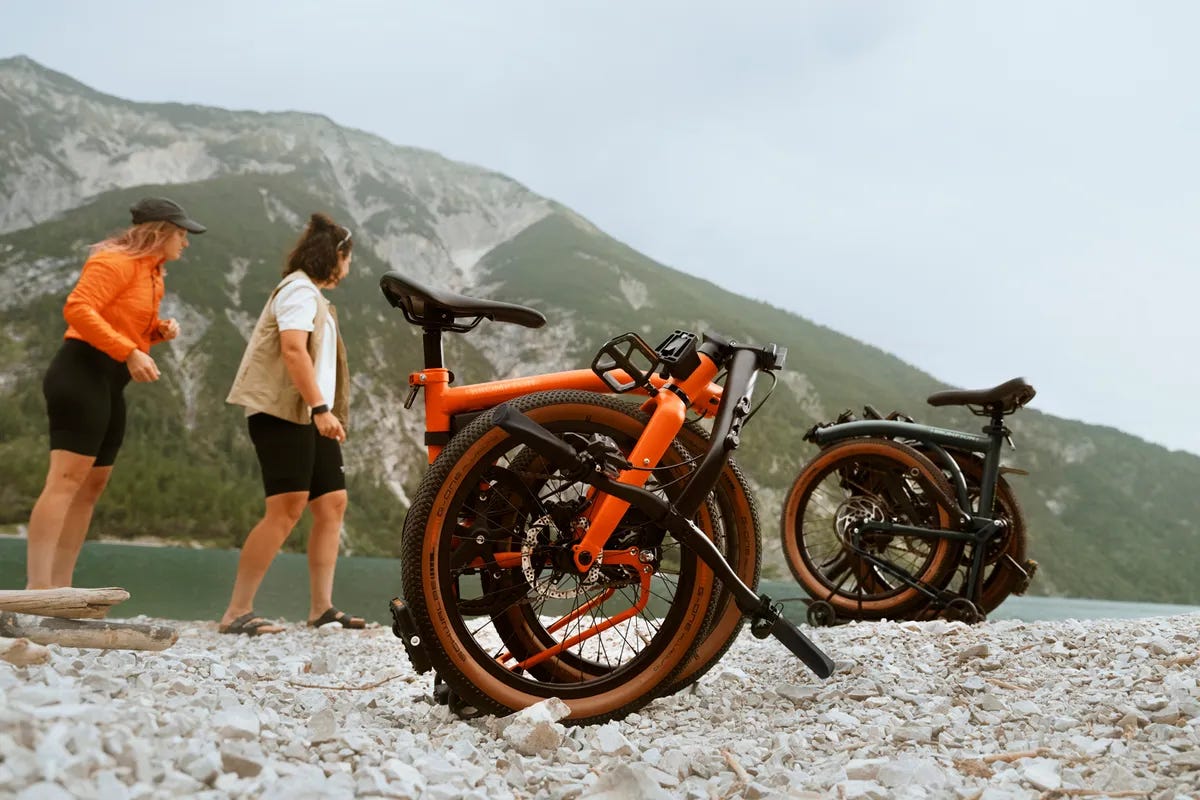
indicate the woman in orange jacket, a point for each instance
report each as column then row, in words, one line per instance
column 112, row 320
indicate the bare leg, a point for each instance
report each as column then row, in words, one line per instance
column 67, row 474
column 75, row 526
column 328, row 511
column 262, row 545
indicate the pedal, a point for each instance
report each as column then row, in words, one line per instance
column 960, row 609
column 405, row 629
column 628, row 353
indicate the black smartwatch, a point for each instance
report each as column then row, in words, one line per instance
column 321, row 409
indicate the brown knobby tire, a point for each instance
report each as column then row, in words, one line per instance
column 859, row 480
column 457, row 517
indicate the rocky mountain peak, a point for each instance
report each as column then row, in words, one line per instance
column 64, row 144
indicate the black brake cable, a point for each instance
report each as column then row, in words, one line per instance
column 750, row 416
column 774, row 383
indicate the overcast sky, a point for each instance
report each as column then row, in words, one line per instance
column 985, row 190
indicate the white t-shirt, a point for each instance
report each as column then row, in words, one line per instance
column 296, row 310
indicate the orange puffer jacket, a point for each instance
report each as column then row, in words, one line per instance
column 114, row 306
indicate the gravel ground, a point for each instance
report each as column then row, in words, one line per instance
column 916, row 710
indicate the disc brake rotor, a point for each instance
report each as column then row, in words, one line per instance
column 854, row 512
column 539, row 534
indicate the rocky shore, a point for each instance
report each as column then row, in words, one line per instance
column 917, row 710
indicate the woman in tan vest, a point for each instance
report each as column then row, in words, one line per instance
column 294, row 385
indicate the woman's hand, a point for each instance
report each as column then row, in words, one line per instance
column 329, row 426
column 168, row 329
column 141, row 367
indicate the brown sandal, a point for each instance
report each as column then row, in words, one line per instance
column 249, row 624
column 340, row 617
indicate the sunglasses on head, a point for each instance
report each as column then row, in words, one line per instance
column 343, row 242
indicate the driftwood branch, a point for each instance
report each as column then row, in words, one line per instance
column 23, row 652
column 343, row 687
column 87, row 633
column 1056, row 793
column 64, row 603
column 1016, row 756
column 737, row 767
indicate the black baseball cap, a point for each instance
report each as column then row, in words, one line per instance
column 160, row 209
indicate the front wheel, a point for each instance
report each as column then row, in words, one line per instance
column 868, row 574
column 488, row 573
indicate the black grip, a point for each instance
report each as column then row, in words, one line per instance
column 802, row 647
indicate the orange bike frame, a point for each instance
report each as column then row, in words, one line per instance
column 667, row 404
column 443, row 401
column 668, row 411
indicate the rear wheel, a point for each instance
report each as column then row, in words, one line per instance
column 846, row 486
column 489, row 576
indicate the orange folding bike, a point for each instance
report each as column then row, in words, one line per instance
column 566, row 543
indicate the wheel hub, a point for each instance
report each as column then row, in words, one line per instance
column 855, row 512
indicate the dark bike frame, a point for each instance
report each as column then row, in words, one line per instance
column 980, row 527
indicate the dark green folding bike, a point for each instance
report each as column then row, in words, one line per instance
column 898, row 520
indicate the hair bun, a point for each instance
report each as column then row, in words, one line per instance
column 319, row 221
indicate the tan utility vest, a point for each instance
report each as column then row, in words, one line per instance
column 263, row 382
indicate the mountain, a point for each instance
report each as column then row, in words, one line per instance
column 1110, row 515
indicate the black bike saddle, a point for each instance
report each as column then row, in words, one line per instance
column 1007, row 397
column 436, row 308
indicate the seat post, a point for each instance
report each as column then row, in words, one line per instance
column 432, row 341
column 996, row 431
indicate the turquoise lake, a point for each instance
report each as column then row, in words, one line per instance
column 183, row 583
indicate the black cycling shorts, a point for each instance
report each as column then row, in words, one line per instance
column 295, row 458
column 84, row 391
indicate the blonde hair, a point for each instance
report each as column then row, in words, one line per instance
column 137, row 241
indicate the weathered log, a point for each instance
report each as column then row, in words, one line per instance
column 65, row 603
column 87, row 633
column 23, row 652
